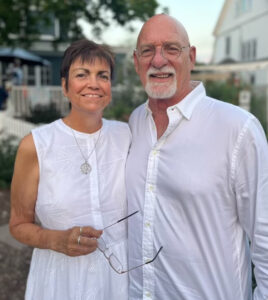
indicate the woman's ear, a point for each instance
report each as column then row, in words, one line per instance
column 63, row 86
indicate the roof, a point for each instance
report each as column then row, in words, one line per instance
column 24, row 55
column 221, row 16
column 234, row 67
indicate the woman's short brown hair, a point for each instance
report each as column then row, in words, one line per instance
column 85, row 50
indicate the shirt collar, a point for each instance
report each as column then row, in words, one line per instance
column 187, row 105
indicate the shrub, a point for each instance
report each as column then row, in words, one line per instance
column 8, row 149
column 229, row 92
column 223, row 91
column 44, row 114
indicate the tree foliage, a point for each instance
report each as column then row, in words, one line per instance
column 27, row 18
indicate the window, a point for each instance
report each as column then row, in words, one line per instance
column 227, row 46
column 243, row 6
column 48, row 28
column 252, row 79
column 249, row 50
column 254, row 49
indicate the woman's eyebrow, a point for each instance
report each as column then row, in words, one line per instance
column 81, row 69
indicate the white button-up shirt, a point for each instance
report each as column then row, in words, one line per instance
column 202, row 193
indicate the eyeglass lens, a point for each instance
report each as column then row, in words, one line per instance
column 168, row 50
column 113, row 260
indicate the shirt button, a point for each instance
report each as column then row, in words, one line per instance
column 147, row 224
column 151, row 187
column 147, row 294
column 147, row 261
column 154, row 152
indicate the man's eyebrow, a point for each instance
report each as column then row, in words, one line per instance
column 164, row 43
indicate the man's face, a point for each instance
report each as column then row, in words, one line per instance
column 164, row 70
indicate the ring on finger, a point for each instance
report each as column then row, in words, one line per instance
column 78, row 239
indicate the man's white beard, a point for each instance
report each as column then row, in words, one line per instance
column 158, row 90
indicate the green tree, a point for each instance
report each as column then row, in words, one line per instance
column 27, row 18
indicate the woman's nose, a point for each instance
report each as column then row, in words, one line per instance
column 92, row 82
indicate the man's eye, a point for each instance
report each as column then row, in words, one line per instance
column 172, row 49
column 146, row 51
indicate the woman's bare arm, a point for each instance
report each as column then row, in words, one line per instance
column 22, row 225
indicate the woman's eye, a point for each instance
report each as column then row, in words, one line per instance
column 80, row 75
column 104, row 77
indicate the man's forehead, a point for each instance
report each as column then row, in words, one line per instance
column 159, row 39
column 160, row 29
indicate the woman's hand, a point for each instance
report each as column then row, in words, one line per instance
column 78, row 241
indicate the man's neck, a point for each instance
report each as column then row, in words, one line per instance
column 159, row 108
column 159, row 113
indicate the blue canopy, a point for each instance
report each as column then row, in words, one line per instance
column 11, row 53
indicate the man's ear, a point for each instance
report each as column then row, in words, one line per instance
column 192, row 56
column 136, row 64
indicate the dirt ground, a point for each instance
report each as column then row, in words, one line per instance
column 14, row 263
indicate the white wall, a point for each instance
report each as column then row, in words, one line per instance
column 242, row 28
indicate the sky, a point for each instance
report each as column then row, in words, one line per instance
column 198, row 16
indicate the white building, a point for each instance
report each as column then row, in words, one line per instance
column 241, row 39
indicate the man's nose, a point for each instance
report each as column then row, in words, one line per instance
column 159, row 60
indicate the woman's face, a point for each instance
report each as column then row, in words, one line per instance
column 89, row 86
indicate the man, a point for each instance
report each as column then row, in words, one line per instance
column 198, row 174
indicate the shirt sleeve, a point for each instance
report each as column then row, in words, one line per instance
column 251, row 188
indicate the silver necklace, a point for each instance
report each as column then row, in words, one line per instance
column 85, row 166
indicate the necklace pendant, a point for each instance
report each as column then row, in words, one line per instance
column 85, row 168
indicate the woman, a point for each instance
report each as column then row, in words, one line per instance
column 68, row 182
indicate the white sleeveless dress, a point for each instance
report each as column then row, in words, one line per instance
column 68, row 198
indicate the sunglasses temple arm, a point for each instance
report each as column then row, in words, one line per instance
column 121, row 219
column 155, row 255
column 128, row 216
column 148, row 262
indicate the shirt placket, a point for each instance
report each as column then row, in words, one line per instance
column 148, row 250
column 94, row 186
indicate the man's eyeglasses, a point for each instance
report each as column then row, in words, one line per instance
column 169, row 51
column 111, row 257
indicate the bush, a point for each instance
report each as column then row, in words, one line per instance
column 7, row 158
column 258, row 109
column 44, row 114
column 229, row 92
column 223, row 91
column 125, row 100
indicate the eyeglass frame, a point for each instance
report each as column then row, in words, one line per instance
column 112, row 254
column 153, row 48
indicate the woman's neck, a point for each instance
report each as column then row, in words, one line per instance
column 86, row 124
